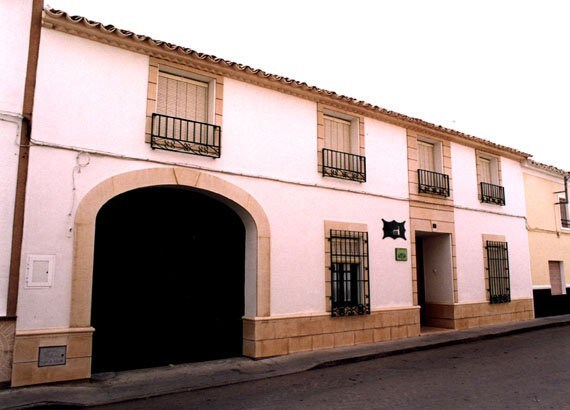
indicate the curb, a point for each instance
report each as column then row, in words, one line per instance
column 147, row 383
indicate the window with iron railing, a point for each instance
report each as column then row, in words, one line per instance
column 343, row 165
column 564, row 220
column 341, row 146
column 431, row 182
column 350, row 287
column 183, row 135
column 182, row 121
column 498, row 270
column 492, row 194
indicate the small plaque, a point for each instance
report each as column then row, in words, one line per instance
column 401, row 254
column 52, row 356
column 393, row 229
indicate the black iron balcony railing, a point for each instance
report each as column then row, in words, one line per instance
column 565, row 223
column 343, row 165
column 430, row 182
column 182, row 135
column 492, row 194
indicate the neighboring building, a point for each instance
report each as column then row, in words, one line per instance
column 181, row 207
column 548, row 220
column 15, row 25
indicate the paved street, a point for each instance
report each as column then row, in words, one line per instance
column 529, row 370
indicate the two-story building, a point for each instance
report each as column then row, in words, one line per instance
column 181, row 207
column 546, row 190
column 16, row 101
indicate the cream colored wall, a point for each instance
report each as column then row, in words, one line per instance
column 547, row 239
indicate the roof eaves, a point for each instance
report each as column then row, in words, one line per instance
column 56, row 19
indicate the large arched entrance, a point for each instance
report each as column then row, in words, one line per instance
column 168, row 279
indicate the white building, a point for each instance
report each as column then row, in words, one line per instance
column 181, row 207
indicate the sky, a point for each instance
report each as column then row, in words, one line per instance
column 498, row 70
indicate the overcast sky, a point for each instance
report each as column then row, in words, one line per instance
column 499, row 70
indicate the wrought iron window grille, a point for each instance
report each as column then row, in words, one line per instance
column 350, row 288
column 343, row 165
column 182, row 135
column 430, row 182
column 492, row 194
column 498, row 269
column 564, row 221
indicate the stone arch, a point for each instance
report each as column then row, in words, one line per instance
column 251, row 213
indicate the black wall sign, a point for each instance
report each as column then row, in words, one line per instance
column 393, row 229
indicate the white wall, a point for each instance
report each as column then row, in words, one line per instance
column 15, row 18
column 15, row 32
column 465, row 182
column 469, row 228
column 296, row 214
column 92, row 96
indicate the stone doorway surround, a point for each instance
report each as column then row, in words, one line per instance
column 77, row 338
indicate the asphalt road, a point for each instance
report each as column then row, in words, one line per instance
column 525, row 371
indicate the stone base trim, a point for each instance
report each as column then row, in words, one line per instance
column 25, row 369
column 468, row 315
column 7, row 333
column 276, row 336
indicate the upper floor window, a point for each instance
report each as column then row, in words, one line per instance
column 341, row 151
column 427, row 156
column 489, row 178
column 183, row 109
column 564, row 214
column 430, row 178
column 182, row 97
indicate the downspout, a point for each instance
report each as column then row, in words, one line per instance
column 23, row 157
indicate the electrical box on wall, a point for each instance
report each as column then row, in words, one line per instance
column 39, row 271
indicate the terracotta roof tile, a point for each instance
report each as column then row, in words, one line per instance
column 547, row 167
column 110, row 29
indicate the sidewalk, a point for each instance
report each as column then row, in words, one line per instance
column 117, row 387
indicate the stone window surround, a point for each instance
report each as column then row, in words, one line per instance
column 486, row 155
column 437, row 152
column 413, row 162
column 560, row 198
column 323, row 109
column 343, row 226
column 155, row 65
column 492, row 238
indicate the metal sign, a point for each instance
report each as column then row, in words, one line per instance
column 52, row 356
column 393, row 229
column 401, row 254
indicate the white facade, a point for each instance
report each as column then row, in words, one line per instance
column 15, row 32
column 473, row 219
column 90, row 143
column 269, row 150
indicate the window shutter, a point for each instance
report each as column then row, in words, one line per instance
column 337, row 134
column 426, row 156
column 485, row 170
column 182, row 98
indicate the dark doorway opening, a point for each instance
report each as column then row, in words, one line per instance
column 168, row 280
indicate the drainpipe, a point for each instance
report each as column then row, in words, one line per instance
column 23, row 158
